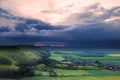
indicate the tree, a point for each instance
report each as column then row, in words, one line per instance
column 5, row 61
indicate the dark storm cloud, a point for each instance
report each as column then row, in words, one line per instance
column 22, row 25
column 95, row 33
column 4, row 29
column 24, row 30
column 92, row 35
column 37, row 25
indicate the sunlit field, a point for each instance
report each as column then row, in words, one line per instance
column 114, row 55
column 60, row 64
column 104, row 55
column 75, row 78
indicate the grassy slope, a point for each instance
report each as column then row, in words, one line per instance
column 20, row 54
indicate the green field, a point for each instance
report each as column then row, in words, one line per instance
column 64, row 74
column 62, row 65
column 115, row 58
column 59, row 57
column 114, row 55
column 104, row 59
column 75, row 78
column 86, row 72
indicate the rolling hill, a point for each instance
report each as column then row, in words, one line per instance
column 18, row 60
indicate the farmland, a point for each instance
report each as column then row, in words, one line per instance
column 75, row 78
column 101, row 55
column 84, row 71
column 60, row 64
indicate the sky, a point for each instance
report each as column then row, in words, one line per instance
column 63, row 23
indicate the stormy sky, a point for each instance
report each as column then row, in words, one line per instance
column 63, row 23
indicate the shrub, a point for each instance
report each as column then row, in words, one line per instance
column 8, row 73
column 5, row 61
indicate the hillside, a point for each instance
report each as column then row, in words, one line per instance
column 18, row 60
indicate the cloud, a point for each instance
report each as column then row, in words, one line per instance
column 93, row 14
column 11, row 25
column 8, row 21
column 92, row 35
column 60, row 22
column 52, row 11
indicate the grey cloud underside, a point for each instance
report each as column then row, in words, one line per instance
column 22, row 25
column 94, row 14
column 95, row 33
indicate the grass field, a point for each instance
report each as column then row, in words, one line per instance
column 80, row 75
column 65, row 72
column 105, row 58
column 114, row 55
column 75, row 78
column 60, row 57
column 103, row 73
